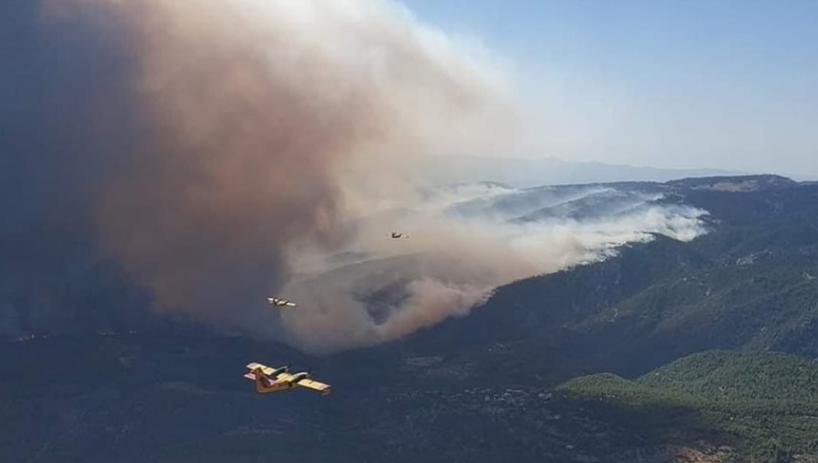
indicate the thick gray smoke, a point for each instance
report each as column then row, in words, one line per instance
column 462, row 244
column 224, row 151
column 201, row 142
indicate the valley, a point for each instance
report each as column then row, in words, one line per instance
column 665, row 352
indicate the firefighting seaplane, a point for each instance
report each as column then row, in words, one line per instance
column 276, row 302
column 270, row 379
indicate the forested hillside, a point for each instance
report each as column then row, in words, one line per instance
column 617, row 335
column 765, row 403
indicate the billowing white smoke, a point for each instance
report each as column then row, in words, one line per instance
column 231, row 134
column 244, row 147
column 391, row 287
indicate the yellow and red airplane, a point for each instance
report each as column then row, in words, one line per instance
column 280, row 379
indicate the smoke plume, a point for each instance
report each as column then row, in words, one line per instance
column 256, row 121
column 459, row 248
column 221, row 152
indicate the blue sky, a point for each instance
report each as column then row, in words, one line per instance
column 688, row 83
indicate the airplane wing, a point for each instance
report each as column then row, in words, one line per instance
column 315, row 385
column 264, row 368
column 284, row 377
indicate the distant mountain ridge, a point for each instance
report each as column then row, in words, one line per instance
column 524, row 173
column 763, row 242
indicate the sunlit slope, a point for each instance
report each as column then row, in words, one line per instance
column 765, row 403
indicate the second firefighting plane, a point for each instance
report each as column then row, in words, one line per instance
column 269, row 379
column 276, row 302
column 396, row 235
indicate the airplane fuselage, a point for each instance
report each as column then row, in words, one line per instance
column 269, row 379
column 274, row 386
column 284, row 381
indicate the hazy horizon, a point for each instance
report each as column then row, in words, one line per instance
column 672, row 84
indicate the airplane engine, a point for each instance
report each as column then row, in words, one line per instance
column 299, row 377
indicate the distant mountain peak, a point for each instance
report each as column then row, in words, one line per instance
column 530, row 172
